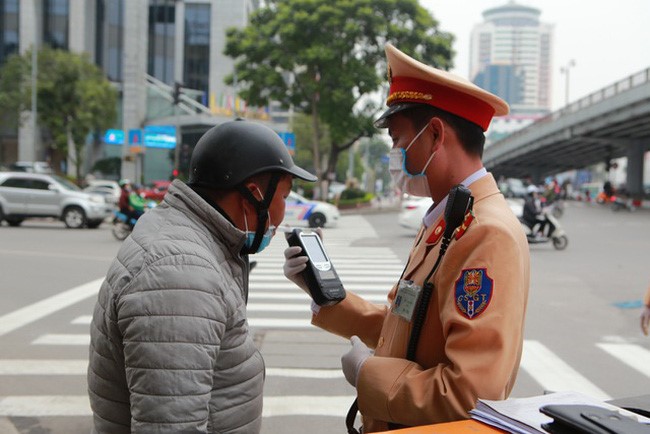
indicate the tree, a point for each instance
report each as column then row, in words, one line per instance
column 73, row 98
column 326, row 59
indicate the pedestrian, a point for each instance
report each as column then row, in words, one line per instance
column 645, row 315
column 471, row 338
column 170, row 345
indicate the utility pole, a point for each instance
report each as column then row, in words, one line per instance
column 565, row 70
column 178, row 87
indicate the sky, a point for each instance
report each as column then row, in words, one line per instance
column 608, row 40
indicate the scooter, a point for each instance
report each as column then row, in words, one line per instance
column 123, row 225
column 620, row 203
column 557, row 237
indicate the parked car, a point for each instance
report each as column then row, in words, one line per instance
column 31, row 167
column 316, row 214
column 157, row 191
column 513, row 187
column 26, row 195
column 414, row 209
column 105, row 187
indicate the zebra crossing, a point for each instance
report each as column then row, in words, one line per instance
column 276, row 304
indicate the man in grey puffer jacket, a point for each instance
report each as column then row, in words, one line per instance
column 170, row 346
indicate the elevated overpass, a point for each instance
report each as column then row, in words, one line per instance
column 610, row 123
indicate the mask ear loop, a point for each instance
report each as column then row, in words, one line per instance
column 404, row 169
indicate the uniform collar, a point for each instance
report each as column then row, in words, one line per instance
column 434, row 213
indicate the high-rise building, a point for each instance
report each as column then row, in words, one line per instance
column 510, row 55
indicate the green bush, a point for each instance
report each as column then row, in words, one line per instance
column 366, row 198
column 352, row 193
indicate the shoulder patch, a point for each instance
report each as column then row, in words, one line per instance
column 473, row 292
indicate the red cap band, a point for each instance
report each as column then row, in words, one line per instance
column 408, row 89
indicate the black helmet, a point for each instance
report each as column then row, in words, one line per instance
column 228, row 154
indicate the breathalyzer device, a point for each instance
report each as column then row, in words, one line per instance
column 322, row 280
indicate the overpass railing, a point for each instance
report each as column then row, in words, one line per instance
column 634, row 80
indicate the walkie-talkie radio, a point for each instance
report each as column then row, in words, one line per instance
column 322, row 280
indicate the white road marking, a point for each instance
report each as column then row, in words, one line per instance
column 82, row 320
column 79, row 405
column 634, row 356
column 45, row 405
column 299, row 295
column 62, row 339
column 28, row 314
column 283, row 323
column 552, row 373
column 42, row 367
column 306, row 405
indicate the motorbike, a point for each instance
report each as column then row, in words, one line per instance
column 557, row 236
column 123, row 224
column 621, row 203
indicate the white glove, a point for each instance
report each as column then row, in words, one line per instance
column 645, row 320
column 294, row 265
column 352, row 361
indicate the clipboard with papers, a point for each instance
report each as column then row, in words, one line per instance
column 522, row 415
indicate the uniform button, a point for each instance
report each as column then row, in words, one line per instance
column 381, row 342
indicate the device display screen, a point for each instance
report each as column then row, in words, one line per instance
column 314, row 249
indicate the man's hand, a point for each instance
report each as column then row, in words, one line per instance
column 645, row 320
column 352, row 361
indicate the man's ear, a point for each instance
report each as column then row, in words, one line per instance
column 254, row 189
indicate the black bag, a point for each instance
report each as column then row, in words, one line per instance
column 589, row 419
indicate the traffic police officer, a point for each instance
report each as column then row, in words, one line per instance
column 471, row 340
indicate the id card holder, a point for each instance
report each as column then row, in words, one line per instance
column 406, row 300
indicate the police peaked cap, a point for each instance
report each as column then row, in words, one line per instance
column 413, row 83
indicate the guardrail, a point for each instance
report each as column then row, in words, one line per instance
column 634, row 80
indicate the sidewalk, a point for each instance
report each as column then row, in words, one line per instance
column 381, row 205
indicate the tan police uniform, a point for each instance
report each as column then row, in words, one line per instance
column 646, row 299
column 471, row 342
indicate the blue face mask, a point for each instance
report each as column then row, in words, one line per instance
column 250, row 236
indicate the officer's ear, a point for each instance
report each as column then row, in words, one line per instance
column 437, row 131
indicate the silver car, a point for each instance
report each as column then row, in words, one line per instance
column 26, row 195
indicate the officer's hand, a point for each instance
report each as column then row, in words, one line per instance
column 645, row 320
column 294, row 265
column 352, row 361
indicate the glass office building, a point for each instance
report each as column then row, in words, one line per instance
column 144, row 47
column 513, row 41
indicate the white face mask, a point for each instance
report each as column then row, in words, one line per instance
column 413, row 184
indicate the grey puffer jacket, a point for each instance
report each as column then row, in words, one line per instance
column 170, row 348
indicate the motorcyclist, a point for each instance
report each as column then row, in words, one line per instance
column 129, row 203
column 533, row 213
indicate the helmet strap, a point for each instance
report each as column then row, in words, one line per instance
column 262, row 209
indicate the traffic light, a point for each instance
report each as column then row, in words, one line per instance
column 177, row 92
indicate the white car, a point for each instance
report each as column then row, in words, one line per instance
column 109, row 189
column 315, row 214
column 414, row 209
column 412, row 212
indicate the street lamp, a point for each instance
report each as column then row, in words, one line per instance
column 565, row 70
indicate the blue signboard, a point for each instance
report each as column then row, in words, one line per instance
column 114, row 137
column 160, row 136
column 135, row 137
column 289, row 140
